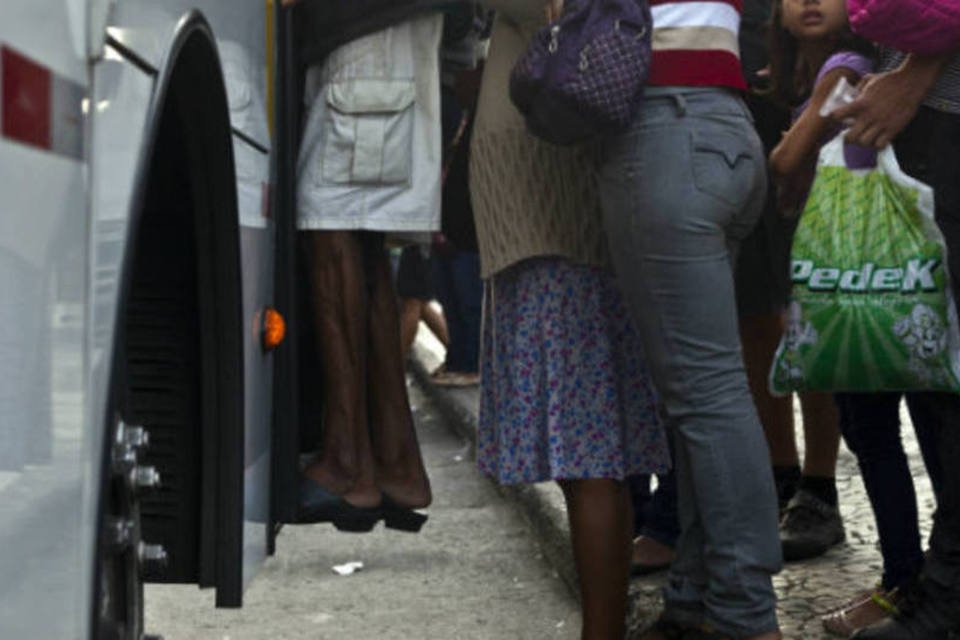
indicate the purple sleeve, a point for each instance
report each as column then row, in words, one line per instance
column 856, row 62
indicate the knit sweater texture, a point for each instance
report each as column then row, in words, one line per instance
column 530, row 198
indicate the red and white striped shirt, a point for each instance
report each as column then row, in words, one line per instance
column 695, row 43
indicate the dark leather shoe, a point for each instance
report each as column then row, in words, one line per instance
column 319, row 505
column 664, row 629
column 401, row 518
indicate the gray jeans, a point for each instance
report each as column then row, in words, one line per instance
column 680, row 190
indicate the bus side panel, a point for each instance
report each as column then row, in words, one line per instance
column 45, row 499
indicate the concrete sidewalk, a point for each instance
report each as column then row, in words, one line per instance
column 806, row 590
column 475, row 572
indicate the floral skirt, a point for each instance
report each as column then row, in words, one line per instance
column 565, row 392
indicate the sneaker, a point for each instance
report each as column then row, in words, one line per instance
column 927, row 611
column 862, row 611
column 809, row 527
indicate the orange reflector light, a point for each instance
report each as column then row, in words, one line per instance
column 274, row 329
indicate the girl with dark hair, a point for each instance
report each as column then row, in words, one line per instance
column 811, row 49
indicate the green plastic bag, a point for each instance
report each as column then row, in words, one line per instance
column 871, row 308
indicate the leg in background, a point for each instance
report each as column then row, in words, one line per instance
column 822, row 435
column 943, row 560
column 811, row 524
column 601, row 526
column 468, row 289
column 436, row 322
column 640, row 497
column 411, row 310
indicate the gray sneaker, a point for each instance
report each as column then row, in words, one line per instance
column 809, row 527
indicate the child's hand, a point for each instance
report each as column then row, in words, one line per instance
column 554, row 10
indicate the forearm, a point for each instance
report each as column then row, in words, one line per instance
column 923, row 71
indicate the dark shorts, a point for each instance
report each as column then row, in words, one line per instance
column 763, row 266
column 413, row 275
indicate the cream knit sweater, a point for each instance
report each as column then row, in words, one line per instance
column 530, row 198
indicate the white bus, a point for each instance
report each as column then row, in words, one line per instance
column 145, row 240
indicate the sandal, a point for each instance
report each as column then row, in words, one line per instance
column 861, row 612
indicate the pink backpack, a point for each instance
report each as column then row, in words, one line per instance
column 917, row 26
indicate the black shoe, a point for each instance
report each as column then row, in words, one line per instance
column 664, row 629
column 928, row 612
column 319, row 505
column 401, row 518
column 809, row 527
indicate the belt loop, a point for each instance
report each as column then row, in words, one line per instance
column 681, row 104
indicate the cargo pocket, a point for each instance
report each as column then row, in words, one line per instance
column 723, row 167
column 369, row 132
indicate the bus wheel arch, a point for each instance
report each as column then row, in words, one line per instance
column 178, row 348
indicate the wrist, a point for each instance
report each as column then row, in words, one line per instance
column 921, row 72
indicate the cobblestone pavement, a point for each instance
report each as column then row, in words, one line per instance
column 809, row 589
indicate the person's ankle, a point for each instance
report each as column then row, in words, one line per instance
column 650, row 551
column 786, row 478
column 824, row 488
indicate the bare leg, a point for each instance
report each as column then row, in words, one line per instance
column 436, row 323
column 760, row 336
column 601, row 526
column 411, row 309
column 340, row 308
column 399, row 466
column 821, row 430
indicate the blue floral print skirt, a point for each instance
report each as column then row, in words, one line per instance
column 565, row 391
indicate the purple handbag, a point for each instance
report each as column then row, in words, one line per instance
column 584, row 75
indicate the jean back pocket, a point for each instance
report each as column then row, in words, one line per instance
column 724, row 166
